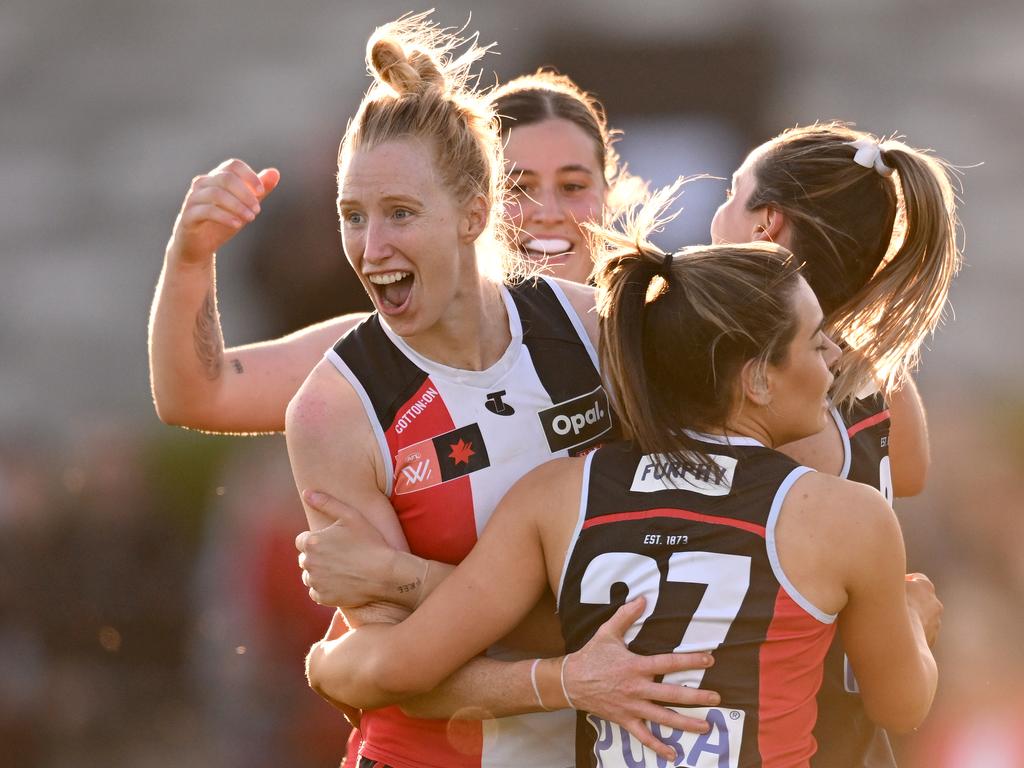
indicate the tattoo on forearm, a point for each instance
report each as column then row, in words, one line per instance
column 237, row 365
column 206, row 338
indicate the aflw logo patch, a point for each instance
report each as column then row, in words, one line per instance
column 575, row 422
column 650, row 477
column 440, row 459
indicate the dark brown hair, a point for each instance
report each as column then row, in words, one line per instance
column 675, row 335
column 546, row 95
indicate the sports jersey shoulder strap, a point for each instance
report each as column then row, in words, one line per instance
column 564, row 358
column 580, row 519
column 862, row 413
column 773, row 552
column 547, row 313
column 383, row 373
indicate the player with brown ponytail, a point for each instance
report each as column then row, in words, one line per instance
column 874, row 222
column 717, row 356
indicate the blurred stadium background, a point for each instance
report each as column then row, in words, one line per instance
column 150, row 608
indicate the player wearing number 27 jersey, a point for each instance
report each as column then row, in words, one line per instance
column 701, row 550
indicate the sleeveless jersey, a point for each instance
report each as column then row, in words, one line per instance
column 701, row 550
column 454, row 442
column 847, row 738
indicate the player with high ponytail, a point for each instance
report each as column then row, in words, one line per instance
column 714, row 539
column 874, row 222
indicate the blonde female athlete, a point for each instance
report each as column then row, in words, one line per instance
column 715, row 355
column 563, row 171
column 459, row 383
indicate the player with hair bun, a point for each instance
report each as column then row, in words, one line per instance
column 714, row 540
column 468, row 374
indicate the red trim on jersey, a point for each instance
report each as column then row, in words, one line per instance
column 437, row 519
column 435, row 743
column 682, row 514
column 352, row 749
column 791, row 662
column 439, row 524
column 870, row 421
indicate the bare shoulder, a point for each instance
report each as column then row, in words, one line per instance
column 853, row 516
column 332, row 445
column 557, row 476
column 580, row 295
column 327, row 410
column 321, row 396
column 837, row 500
column 553, row 484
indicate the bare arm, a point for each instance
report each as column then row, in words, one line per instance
column 348, row 564
column 909, row 453
column 840, row 543
column 500, row 580
column 195, row 381
column 332, row 447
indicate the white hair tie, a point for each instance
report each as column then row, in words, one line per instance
column 869, row 154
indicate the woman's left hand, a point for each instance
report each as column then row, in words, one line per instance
column 348, row 563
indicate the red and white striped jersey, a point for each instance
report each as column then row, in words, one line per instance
column 454, row 442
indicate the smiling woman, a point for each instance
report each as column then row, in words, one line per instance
column 405, row 235
column 423, row 416
column 712, row 539
column 563, row 170
column 564, row 173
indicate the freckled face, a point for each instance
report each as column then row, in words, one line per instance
column 400, row 230
column 556, row 184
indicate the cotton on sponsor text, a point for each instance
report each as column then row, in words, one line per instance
column 414, row 410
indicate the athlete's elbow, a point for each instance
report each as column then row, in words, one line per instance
column 170, row 411
column 910, row 483
column 903, row 721
column 178, row 412
column 905, row 712
column 372, row 681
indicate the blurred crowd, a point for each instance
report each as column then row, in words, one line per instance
column 150, row 605
column 151, row 609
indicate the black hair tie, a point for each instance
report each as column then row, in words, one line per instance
column 666, row 266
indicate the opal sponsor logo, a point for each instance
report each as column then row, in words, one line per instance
column 657, row 473
column 402, row 422
column 575, row 422
column 720, row 747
